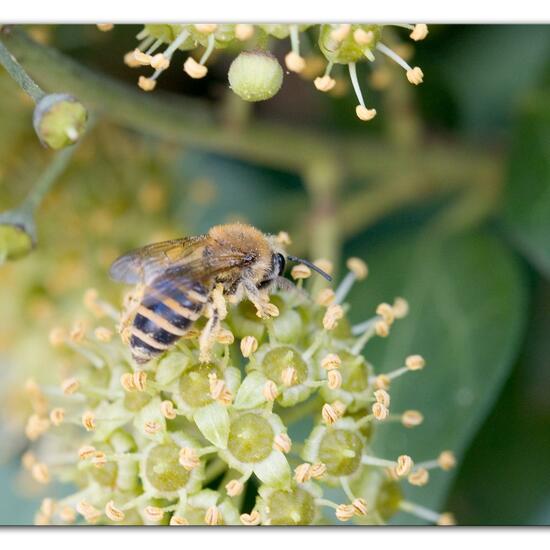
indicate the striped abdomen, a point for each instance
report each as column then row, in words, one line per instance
column 167, row 311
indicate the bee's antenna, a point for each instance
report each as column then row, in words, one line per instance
column 313, row 266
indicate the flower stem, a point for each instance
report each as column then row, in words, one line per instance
column 19, row 74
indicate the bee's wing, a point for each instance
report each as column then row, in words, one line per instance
column 176, row 259
column 142, row 265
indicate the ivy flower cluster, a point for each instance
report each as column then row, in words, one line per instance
column 182, row 442
column 256, row 74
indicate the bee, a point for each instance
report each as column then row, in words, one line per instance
column 183, row 279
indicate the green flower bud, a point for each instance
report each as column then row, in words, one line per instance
column 163, row 470
column 293, row 507
column 255, row 76
column 250, row 438
column 346, row 49
column 17, row 237
column 355, row 391
column 341, row 451
column 194, row 384
column 107, row 474
column 59, row 120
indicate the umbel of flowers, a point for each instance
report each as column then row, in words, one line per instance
column 256, row 75
column 178, row 441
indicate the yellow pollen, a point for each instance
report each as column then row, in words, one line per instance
column 364, row 114
column 194, row 69
column 244, row 31
column 188, row 458
column 419, row 477
column 325, row 297
column 295, row 62
column 415, row 76
column 113, row 513
column 300, row 271
column 282, row 443
column 251, row 519
column 340, row 34
column 146, row 84
column 419, row 32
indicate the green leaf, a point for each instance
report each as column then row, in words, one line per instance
column 274, row 470
column 526, row 209
column 491, row 67
column 467, row 311
column 250, row 393
column 213, row 422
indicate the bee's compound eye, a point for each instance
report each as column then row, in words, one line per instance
column 279, row 263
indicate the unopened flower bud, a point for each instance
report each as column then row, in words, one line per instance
column 59, row 120
column 255, row 76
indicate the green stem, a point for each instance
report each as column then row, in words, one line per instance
column 46, row 180
column 17, row 72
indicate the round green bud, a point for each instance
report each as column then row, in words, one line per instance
column 255, row 76
column 163, row 470
column 136, row 400
column 195, row 385
column 280, row 358
column 389, row 497
column 250, row 438
column 59, row 120
column 294, row 507
column 108, row 473
column 16, row 239
column 341, row 451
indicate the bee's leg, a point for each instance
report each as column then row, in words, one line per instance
column 208, row 336
column 218, row 312
column 259, row 298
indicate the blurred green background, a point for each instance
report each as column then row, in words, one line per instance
column 446, row 195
